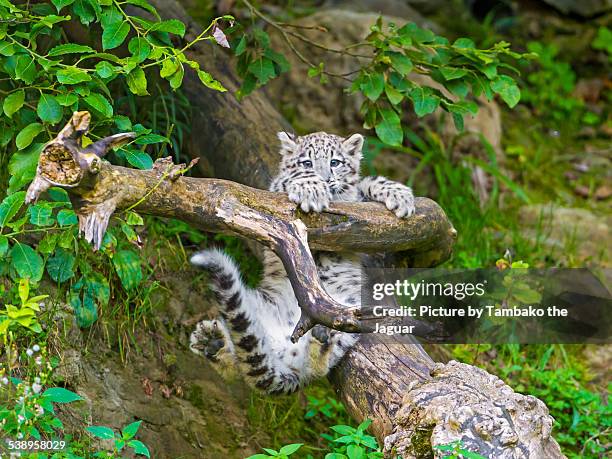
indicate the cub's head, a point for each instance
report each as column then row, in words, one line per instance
column 333, row 158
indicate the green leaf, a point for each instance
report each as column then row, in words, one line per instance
column 508, row 90
column 61, row 395
column 28, row 134
column 22, row 166
column 424, row 102
column 343, row 430
column 150, row 139
column 176, row 79
column 70, row 48
column 98, row 285
column 145, row 6
column 4, row 246
column 139, row 448
column 114, row 35
column 134, row 219
column 48, row 243
column 373, row 85
column 48, row 109
column 208, row 81
column 105, row 433
column 7, row 49
column 127, row 265
column 25, row 68
column 140, row 48
column 464, row 43
column 355, row 452
column 66, row 99
column 40, row 214
column 67, row 217
column 389, row 130
column 401, row 63
column 59, row 4
column 61, row 265
column 241, row 46
column 263, row 69
column 139, row 159
column 458, row 88
column 335, row 456
column 452, row 73
column 105, row 69
column 72, row 75
column 27, row 263
column 394, row 96
column 13, row 102
column 290, row 449
column 99, row 103
column 123, row 123
column 130, row 430
column 171, row 26
column 137, row 82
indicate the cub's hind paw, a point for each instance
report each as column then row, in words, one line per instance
column 210, row 340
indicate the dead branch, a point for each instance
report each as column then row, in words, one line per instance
column 98, row 189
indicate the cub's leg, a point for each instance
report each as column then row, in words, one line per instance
column 397, row 197
column 258, row 325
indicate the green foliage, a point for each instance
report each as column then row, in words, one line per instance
column 258, row 63
column 26, row 410
column 120, row 440
column 550, row 86
column 46, row 78
column 460, row 67
column 12, row 318
column 603, row 41
column 455, row 450
column 344, row 442
column 283, row 453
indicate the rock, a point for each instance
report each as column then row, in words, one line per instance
column 312, row 106
column 583, row 8
column 396, row 8
column 572, row 234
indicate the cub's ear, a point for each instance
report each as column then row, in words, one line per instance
column 352, row 146
column 287, row 140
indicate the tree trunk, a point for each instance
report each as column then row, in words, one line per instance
column 415, row 403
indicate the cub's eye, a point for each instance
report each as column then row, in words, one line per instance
column 306, row 163
column 334, row 163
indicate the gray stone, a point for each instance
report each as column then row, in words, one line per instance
column 584, row 8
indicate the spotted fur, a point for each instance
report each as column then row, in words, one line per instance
column 256, row 325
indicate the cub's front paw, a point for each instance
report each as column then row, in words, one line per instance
column 311, row 194
column 208, row 339
column 400, row 201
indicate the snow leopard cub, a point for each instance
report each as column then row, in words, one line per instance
column 254, row 333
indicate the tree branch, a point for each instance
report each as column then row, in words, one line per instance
column 98, row 189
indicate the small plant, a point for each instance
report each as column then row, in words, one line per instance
column 455, row 450
column 327, row 407
column 283, row 453
column 550, row 86
column 26, row 411
column 349, row 442
column 23, row 315
column 120, row 440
